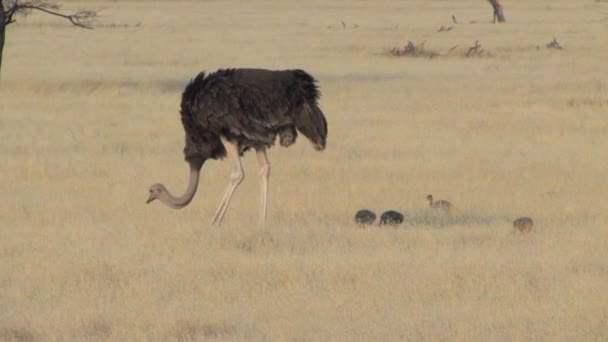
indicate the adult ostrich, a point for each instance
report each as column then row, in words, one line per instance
column 231, row 111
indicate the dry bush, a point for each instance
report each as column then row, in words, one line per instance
column 412, row 50
column 554, row 44
column 419, row 50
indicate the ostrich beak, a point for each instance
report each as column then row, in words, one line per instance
column 150, row 199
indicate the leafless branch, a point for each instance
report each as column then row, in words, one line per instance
column 82, row 18
column 554, row 44
column 445, row 29
column 474, row 50
column 498, row 12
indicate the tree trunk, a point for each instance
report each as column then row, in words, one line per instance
column 498, row 13
column 2, row 27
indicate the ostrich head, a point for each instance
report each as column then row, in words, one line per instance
column 160, row 192
column 156, row 191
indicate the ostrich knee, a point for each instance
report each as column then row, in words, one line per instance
column 237, row 176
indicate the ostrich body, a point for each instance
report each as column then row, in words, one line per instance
column 391, row 218
column 365, row 217
column 442, row 205
column 523, row 225
column 231, row 111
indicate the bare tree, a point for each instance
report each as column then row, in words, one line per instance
column 498, row 13
column 9, row 9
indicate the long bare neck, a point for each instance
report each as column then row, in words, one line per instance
column 182, row 201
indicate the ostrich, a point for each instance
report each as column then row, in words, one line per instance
column 231, row 111
column 391, row 218
column 365, row 217
column 442, row 205
column 522, row 225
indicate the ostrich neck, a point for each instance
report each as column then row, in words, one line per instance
column 183, row 200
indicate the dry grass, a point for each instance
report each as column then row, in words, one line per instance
column 89, row 119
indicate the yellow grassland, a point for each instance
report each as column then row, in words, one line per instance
column 89, row 119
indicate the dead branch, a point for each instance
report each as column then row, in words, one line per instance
column 445, row 29
column 498, row 12
column 82, row 18
column 554, row 44
column 474, row 50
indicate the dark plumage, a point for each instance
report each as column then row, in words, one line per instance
column 365, row 217
column 523, row 225
column 250, row 107
column 391, row 218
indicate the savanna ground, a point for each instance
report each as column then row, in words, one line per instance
column 89, row 119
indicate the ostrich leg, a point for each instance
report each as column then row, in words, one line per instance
column 264, row 176
column 236, row 177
